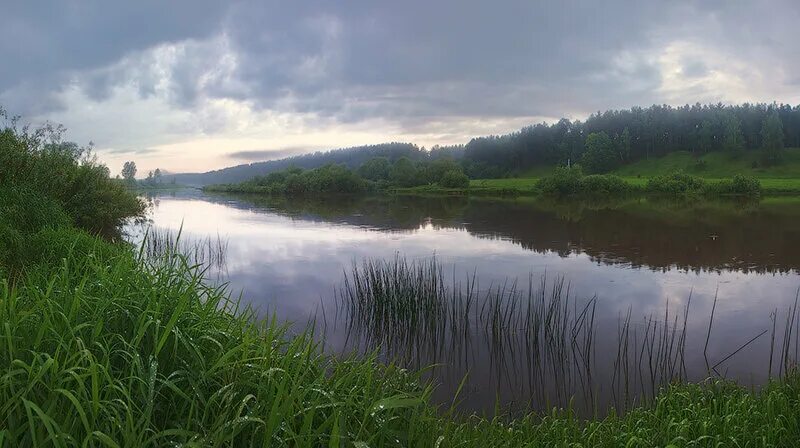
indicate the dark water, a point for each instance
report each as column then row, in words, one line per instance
column 642, row 261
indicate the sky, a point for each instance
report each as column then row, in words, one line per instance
column 195, row 85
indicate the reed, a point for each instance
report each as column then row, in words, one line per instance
column 539, row 339
column 209, row 251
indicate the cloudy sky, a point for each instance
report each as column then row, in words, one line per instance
column 196, row 85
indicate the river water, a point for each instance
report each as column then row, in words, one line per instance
column 625, row 272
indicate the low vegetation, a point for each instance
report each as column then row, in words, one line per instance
column 378, row 174
column 572, row 181
column 105, row 346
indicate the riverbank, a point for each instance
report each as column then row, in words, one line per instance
column 169, row 360
column 104, row 344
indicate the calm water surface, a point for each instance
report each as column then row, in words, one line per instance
column 640, row 259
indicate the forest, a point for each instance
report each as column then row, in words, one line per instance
column 602, row 142
column 376, row 174
column 617, row 137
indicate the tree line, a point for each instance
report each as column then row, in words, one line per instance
column 617, row 137
column 378, row 173
column 601, row 142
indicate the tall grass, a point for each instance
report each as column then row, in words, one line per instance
column 126, row 352
column 210, row 252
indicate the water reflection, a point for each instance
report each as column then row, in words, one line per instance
column 636, row 257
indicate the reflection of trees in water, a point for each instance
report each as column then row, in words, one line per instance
column 660, row 235
column 387, row 213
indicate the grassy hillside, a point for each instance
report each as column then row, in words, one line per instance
column 715, row 165
column 779, row 179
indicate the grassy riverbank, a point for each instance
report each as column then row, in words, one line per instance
column 781, row 179
column 102, row 348
column 101, row 345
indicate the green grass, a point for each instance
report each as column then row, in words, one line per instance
column 779, row 179
column 715, row 165
column 107, row 351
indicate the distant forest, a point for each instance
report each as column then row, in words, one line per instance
column 603, row 140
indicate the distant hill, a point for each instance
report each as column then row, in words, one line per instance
column 351, row 157
column 755, row 132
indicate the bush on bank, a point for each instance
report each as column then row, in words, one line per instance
column 571, row 181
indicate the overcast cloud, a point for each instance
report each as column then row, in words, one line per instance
column 194, row 85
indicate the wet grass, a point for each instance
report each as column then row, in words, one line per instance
column 124, row 351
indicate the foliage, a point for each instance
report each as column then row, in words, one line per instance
column 600, row 155
column 651, row 132
column 604, row 185
column 772, row 139
column 403, row 173
column 377, row 173
column 739, row 185
column 570, row 181
column 636, row 134
column 563, row 181
column 375, row 169
column 352, row 158
column 454, row 179
column 733, row 138
column 335, row 179
column 39, row 165
column 129, row 171
column 675, row 183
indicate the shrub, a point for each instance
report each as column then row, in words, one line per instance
column 603, row 184
column 675, row 183
column 739, row 185
column 454, row 179
column 563, row 181
column 67, row 175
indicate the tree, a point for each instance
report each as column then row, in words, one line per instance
column 375, row 169
column 772, row 139
column 129, row 171
column 624, row 145
column 157, row 175
column 454, row 179
column 600, row 156
column 403, row 173
column 733, row 138
column 705, row 136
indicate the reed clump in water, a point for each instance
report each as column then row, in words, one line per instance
column 209, row 251
column 541, row 342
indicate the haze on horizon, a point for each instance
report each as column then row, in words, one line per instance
column 198, row 85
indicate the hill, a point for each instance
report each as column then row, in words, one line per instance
column 350, row 157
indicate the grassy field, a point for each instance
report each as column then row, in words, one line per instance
column 713, row 167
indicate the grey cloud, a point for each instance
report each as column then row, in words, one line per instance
column 694, row 69
column 408, row 62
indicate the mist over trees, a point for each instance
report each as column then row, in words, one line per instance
column 604, row 141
